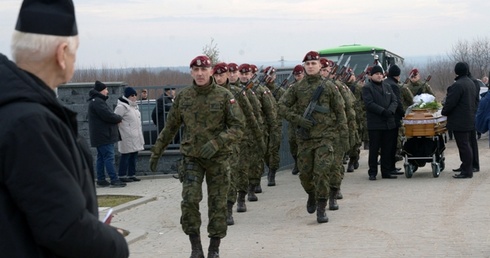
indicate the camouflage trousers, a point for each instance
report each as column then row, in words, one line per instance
column 338, row 167
column 234, row 173
column 354, row 152
column 293, row 145
column 217, row 173
column 246, row 164
column 257, row 163
column 315, row 161
column 271, row 157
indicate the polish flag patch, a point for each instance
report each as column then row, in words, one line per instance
column 232, row 101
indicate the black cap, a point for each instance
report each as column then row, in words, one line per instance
column 99, row 86
column 461, row 69
column 394, row 70
column 376, row 69
column 49, row 17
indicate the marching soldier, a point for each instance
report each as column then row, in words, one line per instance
column 213, row 122
column 340, row 146
column 240, row 160
column 315, row 139
column 272, row 157
column 298, row 73
column 360, row 109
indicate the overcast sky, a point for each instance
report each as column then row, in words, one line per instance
column 152, row 33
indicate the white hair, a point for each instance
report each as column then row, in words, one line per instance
column 36, row 47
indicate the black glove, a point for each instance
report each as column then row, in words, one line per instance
column 386, row 113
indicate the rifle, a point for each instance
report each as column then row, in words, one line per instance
column 335, row 66
column 362, row 74
column 312, row 106
column 422, row 87
column 347, row 75
column 261, row 80
column 283, row 84
column 247, row 86
column 342, row 70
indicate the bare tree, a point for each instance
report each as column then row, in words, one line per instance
column 212, row 51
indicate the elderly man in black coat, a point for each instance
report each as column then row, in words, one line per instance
column 381, row 105
column 460, row 108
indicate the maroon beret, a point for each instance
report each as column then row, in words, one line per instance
column 266, row 70
column 244, row 68
column 254, row 68
column 324, row 62
column 201, row 61
column 220, row 68
column 414, row 72
column 298, row 69
column 232, row 67
column 312, row 55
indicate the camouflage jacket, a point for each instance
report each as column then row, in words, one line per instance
column 252, row 127
column 359, row 106
column 207, row 113
column 419, row 87
column 350, row 113
column 268, row 106
column 406, row 97
column 329, row 121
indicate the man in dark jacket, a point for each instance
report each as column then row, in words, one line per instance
column 381, row 106
column 393, row 80
column 460, row 108
column 104, row 133
column 47, row 196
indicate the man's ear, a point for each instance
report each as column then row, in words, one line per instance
column 61, row 52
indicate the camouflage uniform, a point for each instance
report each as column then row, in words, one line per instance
column 316, row 152
column 240, row 163
column 293, row 145
column 268, row 112
column 360, row 110
column 406, row 97
column 210, row 116
column 340, row 146
column 272, row 157
column 419, row 87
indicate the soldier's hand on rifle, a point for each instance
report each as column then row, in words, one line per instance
column 305, row 123
column 209, row 149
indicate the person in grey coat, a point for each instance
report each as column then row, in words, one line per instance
column 460, row 108
column 104, row 133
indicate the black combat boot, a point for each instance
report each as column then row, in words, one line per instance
column 271, row 178
column 339, row 195
column 311, row 203
column 258, row 188
column 350, row 166
column 240, row 204
column 251, row 194
column 213, row 250
column 295, row 170
column 196, row 246
column 229, row 214
column 321, row 214
column 356, row 164
column 332, row 200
